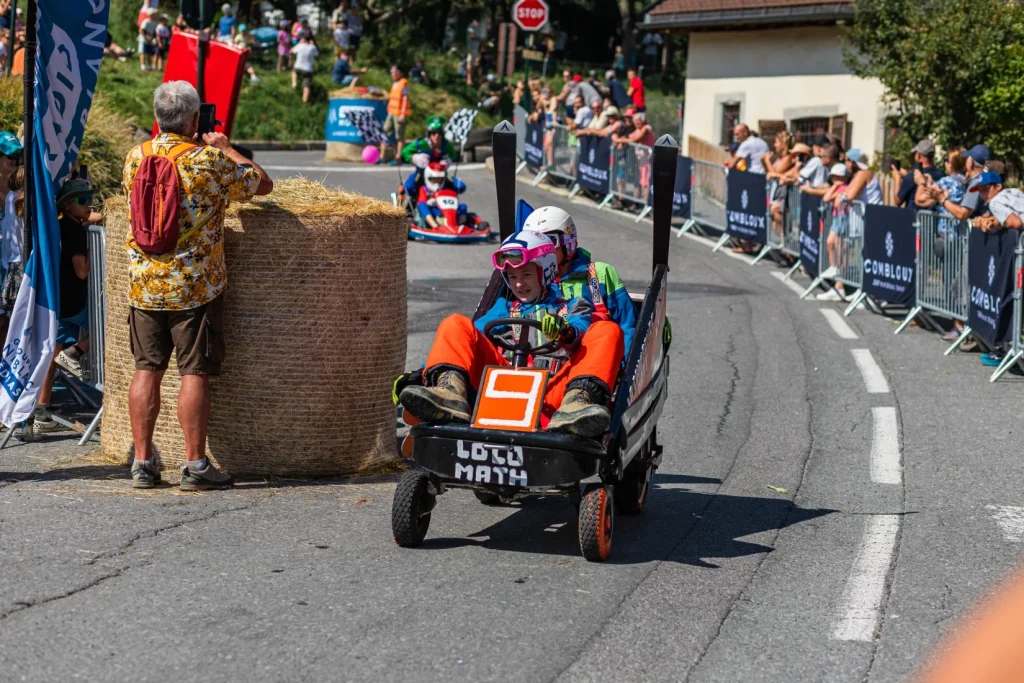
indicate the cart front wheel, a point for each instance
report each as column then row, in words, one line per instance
column 411, row 508
column 596, row 524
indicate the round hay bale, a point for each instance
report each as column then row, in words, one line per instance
column 315, row 332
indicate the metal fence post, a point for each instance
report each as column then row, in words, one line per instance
column 1016, row 353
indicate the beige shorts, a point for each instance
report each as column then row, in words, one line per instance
column 393, row 125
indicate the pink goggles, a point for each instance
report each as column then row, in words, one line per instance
column 516, row 257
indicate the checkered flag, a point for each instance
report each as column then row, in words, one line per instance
column 458, row 127
column 367, row 123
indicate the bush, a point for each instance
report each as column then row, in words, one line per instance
column 108, row 136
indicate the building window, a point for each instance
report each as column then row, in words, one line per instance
column 730, row 117
column 805, row 130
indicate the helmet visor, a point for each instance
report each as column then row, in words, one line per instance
column 516, row 257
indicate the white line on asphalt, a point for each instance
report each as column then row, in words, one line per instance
column 1010, row 519
column 836, row 322
column 789, row 283
column 885, row 447
column 862, row 599
column 356, row 169
column 874, row 380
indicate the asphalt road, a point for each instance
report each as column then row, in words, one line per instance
column 801, row 527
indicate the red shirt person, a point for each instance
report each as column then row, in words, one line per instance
column 636, row 90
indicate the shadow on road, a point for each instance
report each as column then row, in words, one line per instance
column 678, row 525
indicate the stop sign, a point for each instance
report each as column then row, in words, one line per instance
column 530, row 15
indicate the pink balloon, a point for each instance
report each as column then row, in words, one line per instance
column 371, row 154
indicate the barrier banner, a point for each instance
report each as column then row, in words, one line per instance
column 356, row 121
column 810, row 232
column 990, row 267
column 533, row 147
column 890, row 254
column 681, row 207
column 594, row 163
column 746, row 206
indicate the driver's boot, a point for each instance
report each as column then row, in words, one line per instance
column 446, row 401
column 582, row 412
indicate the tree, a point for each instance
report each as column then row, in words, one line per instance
column 952, row 69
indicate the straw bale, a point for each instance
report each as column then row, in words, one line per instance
column 315, row 331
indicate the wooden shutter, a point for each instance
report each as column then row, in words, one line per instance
column 840, row 127
column 769, row 129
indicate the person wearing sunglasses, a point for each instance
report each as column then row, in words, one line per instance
column 583, row 367
column 74, row 204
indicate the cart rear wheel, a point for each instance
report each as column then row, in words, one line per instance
column 486, row 497
column 631, row 493
column 596, row 524
column 411, row 508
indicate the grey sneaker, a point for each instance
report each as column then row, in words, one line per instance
column 145, row 474
column 206, row 479
column 35, row 426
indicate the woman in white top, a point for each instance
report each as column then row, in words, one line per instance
column 863, row 183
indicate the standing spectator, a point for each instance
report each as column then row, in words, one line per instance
column 619, row 62
column 12, row 178
column 600, row 118
column 418, row 74
column 399, row 108
column 589, row 92
column 751, row 150
column 338, row 14
column 616, row 90
column 583, row 115
column 836, row 243
column 354, row 19
column 343, row 74
column 570, row 88
column 473, row 41
column 147, row 41
column 595, row 83
column 612, row 120
column 163, row 41
column 864, row 184
column 969, row 204
column 641, row 134
column 5, row 14
column 342, row 38
column 636, row 90
column 814, row 175
column 777, row 165
column 176, row 299
column 226, row 27
column 284, row 45
column 652, row 49
column 305, row 59
column 924, row 164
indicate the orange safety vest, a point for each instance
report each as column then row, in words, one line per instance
column 399, row 88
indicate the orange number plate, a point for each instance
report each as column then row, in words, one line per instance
column 510, row 398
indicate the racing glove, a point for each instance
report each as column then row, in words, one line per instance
column 557, row 327
column 420, row 160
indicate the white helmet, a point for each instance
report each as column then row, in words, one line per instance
column 434, row 175
column 527, row 246
column 553, row 220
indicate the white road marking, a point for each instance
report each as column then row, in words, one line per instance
column 789, row 283
column 874, row 380
column 885, row 447
column 1010, row 519
column 836, row 322
column 862, row 599
column 358, row 169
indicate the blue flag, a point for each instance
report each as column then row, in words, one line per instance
column 523, row 211
column 71, row 37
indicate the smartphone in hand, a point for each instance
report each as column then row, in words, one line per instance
column 207, row 119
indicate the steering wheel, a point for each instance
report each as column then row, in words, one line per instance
column 522, row 348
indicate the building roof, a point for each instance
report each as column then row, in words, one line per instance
column 702, row 14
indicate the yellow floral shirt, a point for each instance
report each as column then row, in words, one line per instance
column 195, row 273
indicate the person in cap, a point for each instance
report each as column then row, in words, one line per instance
column 583, row 365
column 863, row 184
column 924, row 164
column 970, row 204
column 613, row 124
column 420, row 153
column 836, row 243
column 74, row 204
column 616, row 90
column 813, row 177
column 11, row 157
column 227, row 26
column 1005, row 204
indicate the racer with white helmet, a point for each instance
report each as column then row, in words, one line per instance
column 580, row 276
column 584, row 365
column 435, row 179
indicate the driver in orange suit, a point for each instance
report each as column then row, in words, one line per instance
column 587, row 354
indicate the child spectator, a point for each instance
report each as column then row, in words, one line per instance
column 342, row 38
column 163, row 41
column 836, row 243
column 284, row 45
column 147, row 41
column 226, row 26
column 343, row 74
column 244, row 40
column 417, row 74
column 305, row 56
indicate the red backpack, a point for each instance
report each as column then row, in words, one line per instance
column 155, row 198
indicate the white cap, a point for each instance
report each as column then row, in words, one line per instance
column 839, row 170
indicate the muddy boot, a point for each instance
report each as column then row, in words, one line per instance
column 582, row 413
column 446, row 401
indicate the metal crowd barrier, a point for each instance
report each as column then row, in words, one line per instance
column 773, row 236
column 709, row 195
column 560, row 158
column 791, row 222
column 941, row 273
column 630, row 177
column 1016, row 352
column 847, row 224
column 97, row 318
